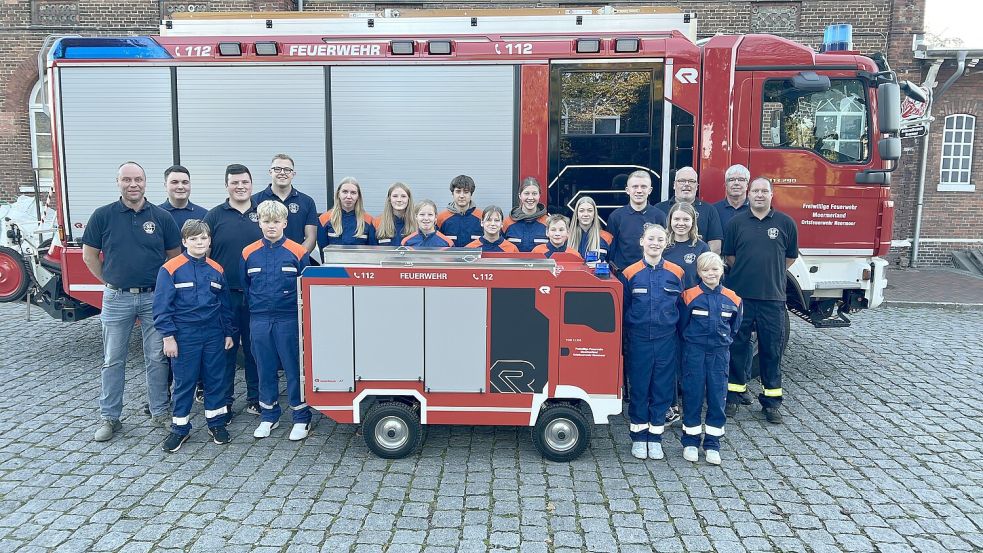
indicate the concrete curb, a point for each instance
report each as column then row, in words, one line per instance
column 935, row 304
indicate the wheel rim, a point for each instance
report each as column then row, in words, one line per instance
column 11, row 275
column 392, row 432
column 562, row 435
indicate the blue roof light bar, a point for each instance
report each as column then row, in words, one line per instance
column 121, row 48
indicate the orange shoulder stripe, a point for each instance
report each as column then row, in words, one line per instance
column 607, row 236
column 473, row 244
column 174, row 263
column 368, row 219
column 542, row 219
column 478, row 213
column 509, row 221
column 295, row 248
column 445, row 239
column 325, row 217
column 540, row 249
column 248, row 250
column 403, row 243
column 508, row 247
column 572, row 251
column 731, row 294
column 691, row 294
column 443, row 216
column 633, row 270
column 214, row 264
column 675, row 269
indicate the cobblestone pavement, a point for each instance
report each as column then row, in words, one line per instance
column 880, row 451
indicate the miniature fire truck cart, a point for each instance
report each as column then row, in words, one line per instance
column 396, row 339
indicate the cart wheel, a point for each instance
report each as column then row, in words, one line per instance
column 13, row 276
column 561, row 433
column 392, row 430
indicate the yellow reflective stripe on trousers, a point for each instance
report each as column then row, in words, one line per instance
column 740, row 388
column 773, row 392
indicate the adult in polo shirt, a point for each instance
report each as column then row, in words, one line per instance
column 736, row 179
column 626, row 223
column 301, row 210
column 759, row 246
column 235, row 225
column 684, row 187
column 135, row 238
column 177, row 185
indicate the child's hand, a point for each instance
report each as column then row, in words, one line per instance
column 228, row 342
column 170, row 346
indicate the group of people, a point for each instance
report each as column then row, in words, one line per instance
column 179, row 269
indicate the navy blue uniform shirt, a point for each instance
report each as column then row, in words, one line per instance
column 760, row 247
column 462, row 228
column 625, row 225
column 399, row 226
column 268, row 272
column 183, row 214
column 232, row 231
column 327, row 235
column 301, row 210
column 435, row 239
column 707, row 219
column 727, row 211
column 191, row 291
column 710, row 317
column 685, row 254
column 652, row 299
column 134, row 242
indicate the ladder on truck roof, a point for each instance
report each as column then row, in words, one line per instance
column 390, row 23
column 363, row 256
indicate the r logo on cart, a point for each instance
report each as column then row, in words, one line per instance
column 544, row 289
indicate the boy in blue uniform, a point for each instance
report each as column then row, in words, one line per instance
column 190, row 297
column 558, row 235
column 268, row 273
column 652, row 289
column 708, row 321
column 491, row 239
column 461, row 221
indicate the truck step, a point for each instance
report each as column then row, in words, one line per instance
column 969, row 260
column 836, row 321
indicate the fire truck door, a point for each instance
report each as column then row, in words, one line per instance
column 590, row 345
column 606, row 120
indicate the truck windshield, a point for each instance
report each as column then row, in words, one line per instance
column 832, row 123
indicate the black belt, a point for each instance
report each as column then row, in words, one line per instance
column 130, row 290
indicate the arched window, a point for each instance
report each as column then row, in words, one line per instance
column 956, row 172
column 41, row 155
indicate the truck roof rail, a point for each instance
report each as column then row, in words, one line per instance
column 361, row 256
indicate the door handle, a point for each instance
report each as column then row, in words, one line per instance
column 564, row 351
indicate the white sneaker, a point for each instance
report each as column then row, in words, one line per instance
column 655, row 450
column 300, row 431
column 713, row 456
column 264, row 429
column 638, row 450
column 691, row 453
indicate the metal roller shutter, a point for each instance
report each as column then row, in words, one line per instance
column 424, row 125
column 111, row 115
column 246, row 115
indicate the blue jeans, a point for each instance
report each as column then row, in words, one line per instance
column 120, row 311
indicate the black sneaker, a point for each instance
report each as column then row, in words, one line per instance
column 200, row 395
column 174, row 442
column 253, row 409
column 746, row 398
column 730, row 410
column 773, row 415
column 672, row 415
column 230, row 415
column 219, row 435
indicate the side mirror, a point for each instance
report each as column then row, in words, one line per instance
column 889, row 108
column 914, row 91
column 889, row 148
column 810, row 81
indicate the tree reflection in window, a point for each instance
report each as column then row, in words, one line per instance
column 605, row 102
column 832, row 123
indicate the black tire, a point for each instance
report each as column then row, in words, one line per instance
column 755, row 367
column 561, row 433
column 14, row 279
column 392, row 430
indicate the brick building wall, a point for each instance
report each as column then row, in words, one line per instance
column 879, row 25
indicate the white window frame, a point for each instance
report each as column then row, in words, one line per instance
column 34, row 108
column 966, row 137
column 615, row 118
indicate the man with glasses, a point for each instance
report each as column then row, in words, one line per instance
column 301, row 209
column 685, row 186
column 736, row 179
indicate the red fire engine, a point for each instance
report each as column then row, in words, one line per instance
column 574, row 97
column 396, row 339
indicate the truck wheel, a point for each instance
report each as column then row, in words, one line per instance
column 755, row 365
column 392, row 430
column 561, row 433
column 13, row 275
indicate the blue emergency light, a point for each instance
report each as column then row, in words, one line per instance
column 134, row 47
column 838, row 38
